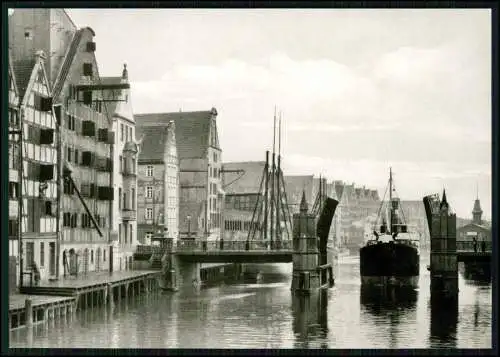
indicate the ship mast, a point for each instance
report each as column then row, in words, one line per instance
column 273, row 170
column 390, row 200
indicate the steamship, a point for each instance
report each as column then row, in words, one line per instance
column 391, row 256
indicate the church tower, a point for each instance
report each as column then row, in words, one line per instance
column 477, row 212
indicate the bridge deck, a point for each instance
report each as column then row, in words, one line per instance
column 255, row 256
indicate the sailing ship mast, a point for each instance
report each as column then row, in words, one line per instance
column 390, row 200
column 274, row 200
column 273, row 170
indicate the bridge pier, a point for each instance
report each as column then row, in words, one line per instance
column 306, row 275
column 444, row 263
column 179, row 273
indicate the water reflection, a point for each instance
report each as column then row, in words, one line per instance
column 267, row 315
column 444, row 320
column 390, row 308
column 310, row 318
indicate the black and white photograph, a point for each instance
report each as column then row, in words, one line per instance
column 249, row 178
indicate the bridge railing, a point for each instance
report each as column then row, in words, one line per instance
column 229, row 245
column 191, row 245
column 149, row 249
column 468, row 246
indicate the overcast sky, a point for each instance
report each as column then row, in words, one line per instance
column 360, row 90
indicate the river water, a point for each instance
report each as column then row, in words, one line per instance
column 266, row 316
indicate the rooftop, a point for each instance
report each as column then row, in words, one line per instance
column 245, row 182
column 192, row 130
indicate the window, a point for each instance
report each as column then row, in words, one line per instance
column 48, row 208
column 104, row 255
column 149, row 213
column 30, row 254
column 87, row 69
column 121, row 164
column 13, row 189
column 122, row 133
column 125, row 206
column 149, row 192
column 133, row 198
column 92, row 256
column 28, row 33
column 149, row 171
column 119, row 197
column 42, row 254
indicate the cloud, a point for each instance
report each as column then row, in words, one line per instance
column 422, row 110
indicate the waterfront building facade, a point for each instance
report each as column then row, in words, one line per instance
column 200, row 161
column 125, row 156
column 39, row 169
column 158, row 183
column 86, row 137
column 14, row 124
column 31, row 107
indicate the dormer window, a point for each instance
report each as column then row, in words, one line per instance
column 28, row 33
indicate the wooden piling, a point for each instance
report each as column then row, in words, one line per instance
column 110, row 295
column 28, row 311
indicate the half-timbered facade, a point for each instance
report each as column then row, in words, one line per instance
column 39, row 170
column 13, row 112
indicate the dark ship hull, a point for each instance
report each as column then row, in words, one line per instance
column 390, row 264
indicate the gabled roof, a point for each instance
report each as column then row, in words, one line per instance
column 192, row 130
column 475, row 225
column 66, row 65
column 153, row 141
column 22, row 73
column 245, row 182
